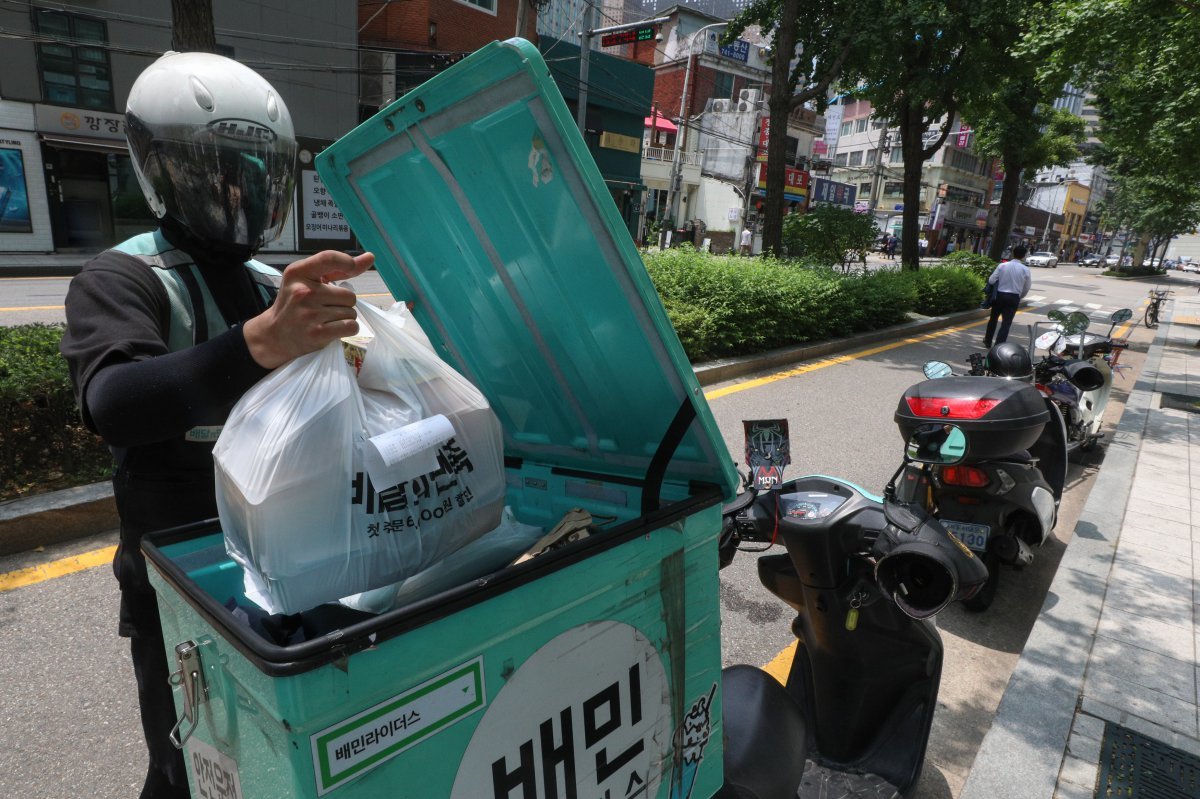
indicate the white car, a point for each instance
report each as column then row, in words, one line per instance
column 1046, row 259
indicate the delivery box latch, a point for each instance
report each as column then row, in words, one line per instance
column 190, row 679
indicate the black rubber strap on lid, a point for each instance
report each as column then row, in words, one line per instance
column 657, row 470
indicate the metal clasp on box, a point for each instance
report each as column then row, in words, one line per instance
column 190, row 678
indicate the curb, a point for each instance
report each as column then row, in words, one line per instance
column 61, row 516
column 1023, row 751
column 729, row 368
column 57, row 517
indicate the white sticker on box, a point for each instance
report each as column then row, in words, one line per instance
column 371, row 738
column 407, row 451
column 213, row 773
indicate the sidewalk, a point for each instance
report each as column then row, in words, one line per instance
column 1113, row 655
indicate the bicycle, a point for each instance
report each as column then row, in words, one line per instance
column 1157, row 298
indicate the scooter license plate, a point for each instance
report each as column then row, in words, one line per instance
column 975, row 536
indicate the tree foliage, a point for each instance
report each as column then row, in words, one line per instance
column 1139, row 57
column 827, row 33
column 829, row 236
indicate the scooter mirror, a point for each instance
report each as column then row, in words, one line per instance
column 936, row 443
column 1121, row 316
column 1077, row 322
column 935, row 369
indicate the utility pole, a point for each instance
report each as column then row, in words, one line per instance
column 877, row 178
column 585, row 52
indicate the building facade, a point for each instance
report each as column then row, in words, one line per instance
column 864, row 152
column 64, row 82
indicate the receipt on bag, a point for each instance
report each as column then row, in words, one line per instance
column 407, row 451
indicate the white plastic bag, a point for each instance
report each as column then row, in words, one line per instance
column 331, row 484
column 486, row 554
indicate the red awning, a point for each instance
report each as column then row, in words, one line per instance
column 661, row 122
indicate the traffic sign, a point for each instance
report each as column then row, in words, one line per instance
column 630, row 36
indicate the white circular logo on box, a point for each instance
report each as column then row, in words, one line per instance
column 590, row 709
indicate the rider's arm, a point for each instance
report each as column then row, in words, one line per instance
column 130, row 388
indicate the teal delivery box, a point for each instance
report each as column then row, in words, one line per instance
column 590, row 671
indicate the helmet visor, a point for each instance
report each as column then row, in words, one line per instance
column 229, row 182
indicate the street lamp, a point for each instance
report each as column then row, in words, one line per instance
column 676, row 167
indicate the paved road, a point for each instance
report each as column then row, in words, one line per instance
column 69, row 722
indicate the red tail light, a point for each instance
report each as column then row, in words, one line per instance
column 966, row 476
column 955, row 408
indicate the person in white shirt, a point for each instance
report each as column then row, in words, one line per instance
column 1012, row 281
column 747, row 237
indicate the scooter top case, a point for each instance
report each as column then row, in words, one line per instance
column 595, row 665
column 998, row 416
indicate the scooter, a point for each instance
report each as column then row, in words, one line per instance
column 1077, row 372
column 1003, row 502
column 865, row 575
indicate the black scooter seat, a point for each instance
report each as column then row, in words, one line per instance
column 765, row 737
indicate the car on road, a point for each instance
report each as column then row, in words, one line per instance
column 1112, row 260
column 1046, row 259
column 1090, row 260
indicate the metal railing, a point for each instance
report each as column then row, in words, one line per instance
column 667, row 154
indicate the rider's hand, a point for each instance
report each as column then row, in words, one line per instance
column 309, row 312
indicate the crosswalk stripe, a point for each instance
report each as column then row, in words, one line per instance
column 1095, row 306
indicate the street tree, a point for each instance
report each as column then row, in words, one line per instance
column 928, row 60
column 807, row 54
column 1018, row 125
column 192, row 26
column 1147, row 88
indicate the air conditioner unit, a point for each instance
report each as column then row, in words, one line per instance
column 720, row 106
column 749, row 95
column 746, row 106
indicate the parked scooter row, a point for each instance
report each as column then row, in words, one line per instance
column 1003, row 502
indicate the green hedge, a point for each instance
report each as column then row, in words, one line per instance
column 723, row 306
column 43, row 443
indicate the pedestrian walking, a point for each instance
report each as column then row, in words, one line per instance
column 1012, row 280
column 166, row 331
column 891, row 246
column 747, row 240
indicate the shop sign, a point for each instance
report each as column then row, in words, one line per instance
column 619, row 141
column 833, row 124
column 964, row 135
column 322, row 224
column 738, row 51
column 764, row 138
column 79, row 122
column 14, row 192
column 795, row 182
column 834, row 193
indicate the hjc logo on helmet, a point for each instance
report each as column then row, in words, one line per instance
column 242, row 130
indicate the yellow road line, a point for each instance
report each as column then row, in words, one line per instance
column 821, row 364
column 781, row 664
column 56, row 568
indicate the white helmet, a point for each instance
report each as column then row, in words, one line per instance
column 213, row 147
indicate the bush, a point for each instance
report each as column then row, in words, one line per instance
column 829, row 235
column 943, row 289
column 43, row 443
column 724, row 306
column 979, row 265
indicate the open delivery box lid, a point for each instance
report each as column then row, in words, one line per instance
column 483, row 206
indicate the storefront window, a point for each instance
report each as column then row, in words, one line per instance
column 74, row 75
column 130, row 214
